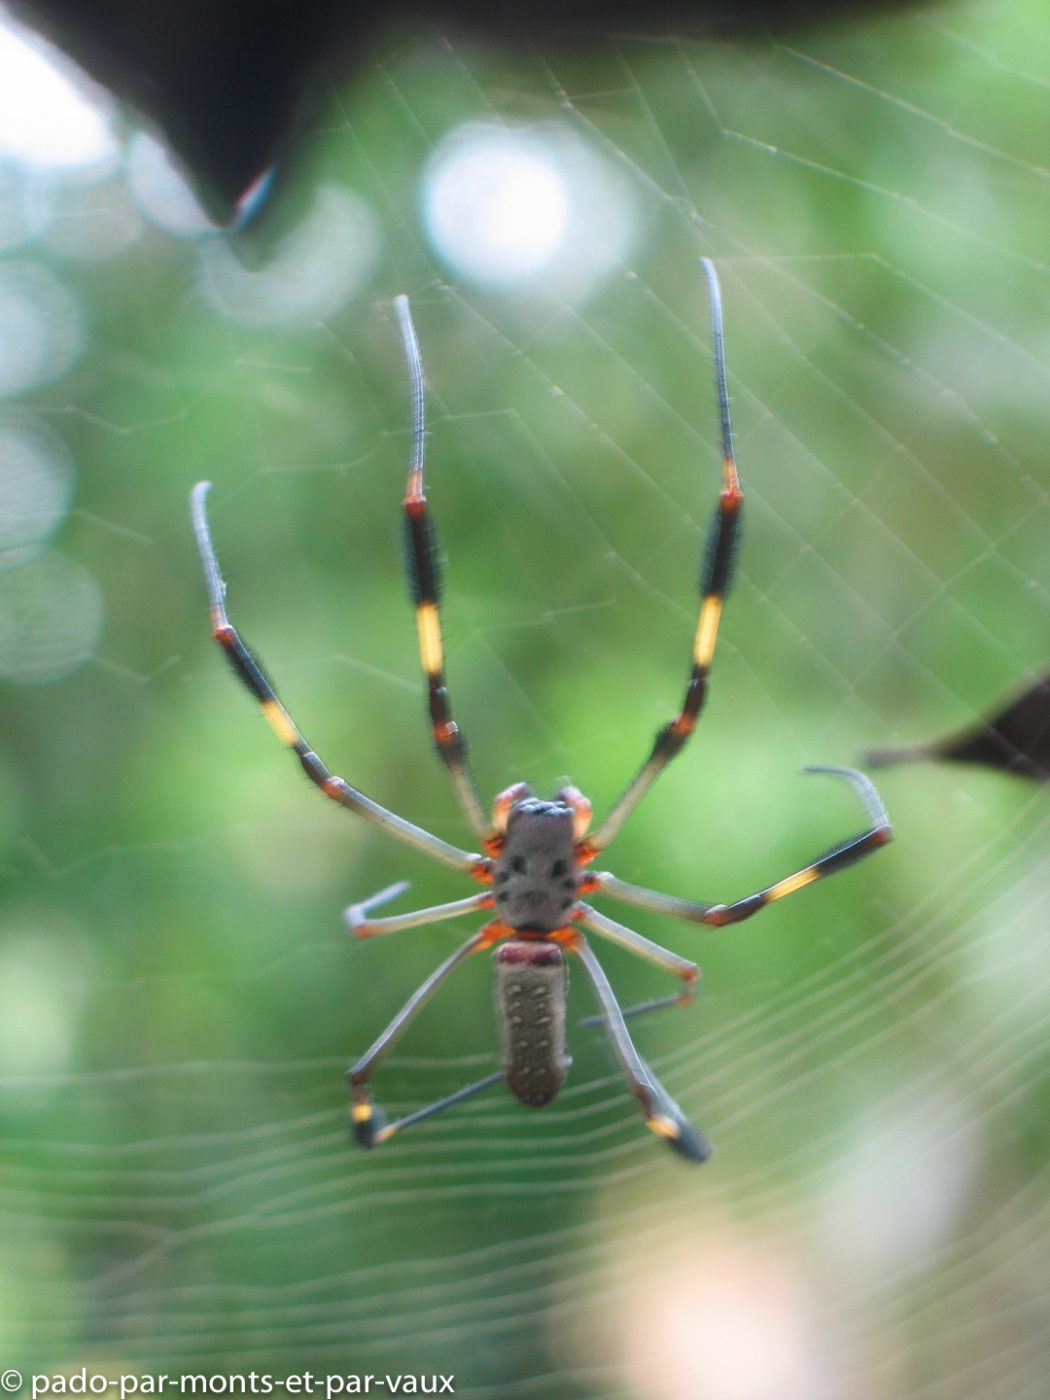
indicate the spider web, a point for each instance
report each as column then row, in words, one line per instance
column 869, row 1056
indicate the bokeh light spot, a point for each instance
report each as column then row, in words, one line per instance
column 36, row 483
column 496, row 204
column 25, row 206
column 51, row 114
column 313, row 272
column 161, row 191
column 93, row 222
column 51, row 615
column 40, row 330
column 505, row 208
column 42, row 969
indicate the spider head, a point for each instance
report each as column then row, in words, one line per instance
column 539, row 813
column 535, row 874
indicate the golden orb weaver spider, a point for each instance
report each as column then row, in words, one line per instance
column 535, row 852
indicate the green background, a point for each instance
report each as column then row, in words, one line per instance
column 179, row 998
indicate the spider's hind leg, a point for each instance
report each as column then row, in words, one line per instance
column 662, row 1115
column 366, row 1122
column 379, row 1130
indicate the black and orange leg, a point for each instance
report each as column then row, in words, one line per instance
column 252, row 676
column 878, row 833
column 366, row 1122
column 716, row 576
column 424, row 577
column 662, row 1115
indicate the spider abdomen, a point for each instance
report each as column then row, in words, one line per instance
column 531, row 981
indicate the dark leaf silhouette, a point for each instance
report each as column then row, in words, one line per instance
column 228, row 81
column 1015, row 740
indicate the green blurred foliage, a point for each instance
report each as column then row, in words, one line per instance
column 180, row 998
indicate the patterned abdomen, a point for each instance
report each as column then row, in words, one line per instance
column 531, row 982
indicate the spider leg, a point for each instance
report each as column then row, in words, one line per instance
column 641, row 1009
column 367, row 1125
column 424, row 578
column 388, row 1130
column 662, row 1114
column 716, row 576
column 878, row 833
column 361, row 926
column 251, row 675
column 643, row 947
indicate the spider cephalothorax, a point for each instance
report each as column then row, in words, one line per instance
column 534, row 875
column 534, row 852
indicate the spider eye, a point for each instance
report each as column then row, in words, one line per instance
column 559, row 868
column 518, row 865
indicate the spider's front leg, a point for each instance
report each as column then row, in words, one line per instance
column 252, row 676
column 423, row 559
column 716, row 577
column 878, row 833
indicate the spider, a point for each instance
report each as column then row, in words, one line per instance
column 535, row 852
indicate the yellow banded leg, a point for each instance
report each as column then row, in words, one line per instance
column 254, row 679
column 431, row 651
column 424, row 578
column 878, row 833
column 715, row 579
column 792, row 883
column 707, row 631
